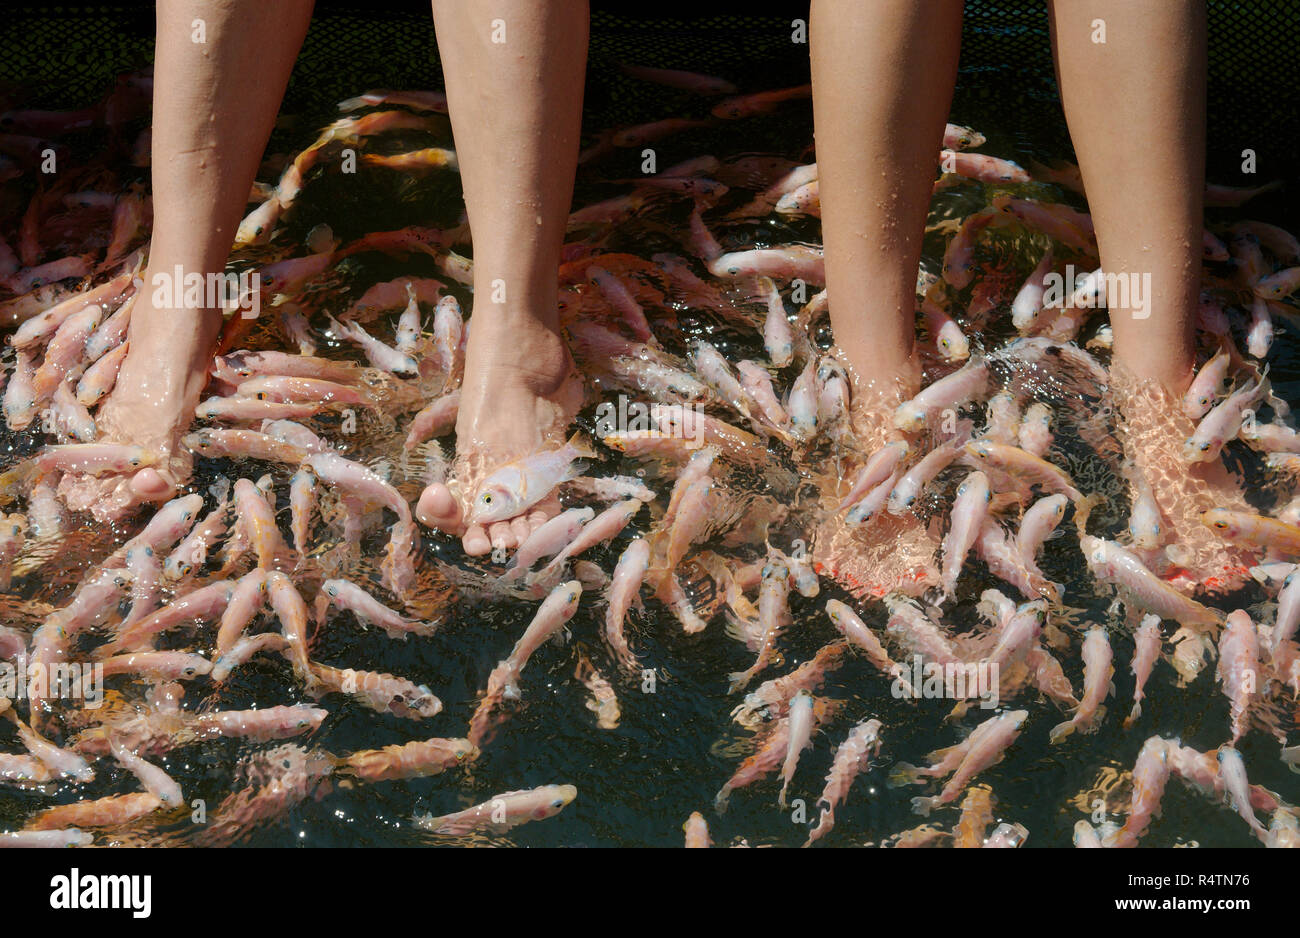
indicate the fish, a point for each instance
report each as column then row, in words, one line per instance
column 983, row 751
column 1277, row 285
column 1035, row 433
column 203, row 604
column 976, row 816
column 157, row 782
column 800, row 716
column 1097, row 686
column 908, row 489
column 696, row 829
column 685, row 81
column 1025, row 466
column 98, row 379
column 1007, row 835
column 1260, row 531
column 794, row 261
column 382, row 356
column 291, row 611
column 981, row 166
column 1207, row 384
column 1028, row 302
column 624, row 589
column 959, row 256
column 778, row 339
column 949, row 340
column 605, row 526
column 773, row 613
column 1223, row 423
column 111, row 811
column 1238, row 669
column 852, row 758
column 1114, row 564
column 503, row 812
column 1037, row 525
column 1232, row 773
column 603, row 701
column 517, row 486
column 548, row 540
column 376, row 691
column 968, row 382
column 247, row 599
column 878, row 468
column 437, row 418
column 346, row 595
column 762, row 102
column 969, row 510
column 1148, row 642
column 243, row 650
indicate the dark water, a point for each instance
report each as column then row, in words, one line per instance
column 674, row 747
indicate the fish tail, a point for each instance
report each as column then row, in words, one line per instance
column 923, row 806
column 581, row 446
column 721, row 798
column 904, row 773
column 1134, row 715
column 1060, row 731
column 1084, row 507
column 17, row 479
column 739, row 680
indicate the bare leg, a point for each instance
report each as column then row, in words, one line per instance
column 1136, row 109
column 883, row 75
column 215, row 102
column 516, row 110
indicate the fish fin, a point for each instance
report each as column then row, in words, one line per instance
column 904, row 773
column 582, row 449
column 19, row 477
column 923, row 806
column 739, row 680
column 1060, row 731
column 1134, row 715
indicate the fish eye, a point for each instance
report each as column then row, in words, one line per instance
column 188, row 672
column 486, row 498
column 184, row 568
column 331, row 590
column 134, row 460
column 557, row 803
column 1205, row 447
column 1221, row 525
column 148, row 551
column 302, row 724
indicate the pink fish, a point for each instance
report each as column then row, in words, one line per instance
column 1097, row 673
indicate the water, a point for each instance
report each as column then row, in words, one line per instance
column 675, row 746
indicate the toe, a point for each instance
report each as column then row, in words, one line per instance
column 476, row 541
column 536, row 519
column 438, row 509
column 502, row 536
column 150, row 485
column 521, row 528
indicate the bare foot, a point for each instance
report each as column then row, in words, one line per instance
column 521, row 392
column 1153, row 429
column 151, row 405
column 894, row 552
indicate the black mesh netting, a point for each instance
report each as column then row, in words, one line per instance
column 67, row 56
